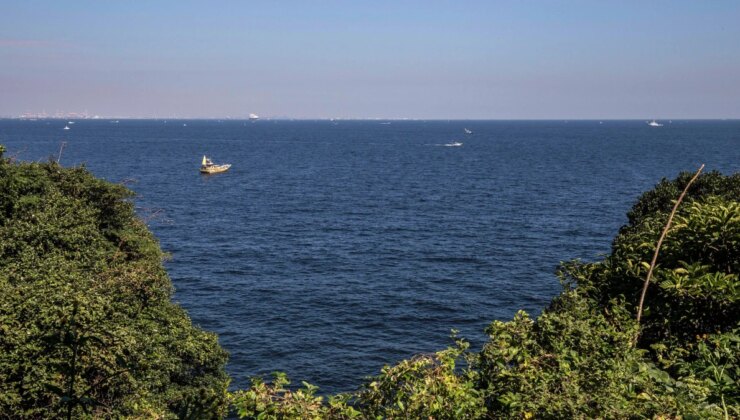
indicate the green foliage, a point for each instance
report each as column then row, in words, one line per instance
column 87, row 328
column 661, row 198
column 695, row 284
column 692, row 301
column 717, row 367
column 573, row 361
column 425, row 386
column 275, row 401
column 577, row 361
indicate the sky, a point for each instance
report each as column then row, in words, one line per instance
column 429, row 59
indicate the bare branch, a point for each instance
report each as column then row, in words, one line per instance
column 148, row 215
column 660, row 242
column 61, row 149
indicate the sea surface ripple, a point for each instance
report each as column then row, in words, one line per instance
column 332, row 248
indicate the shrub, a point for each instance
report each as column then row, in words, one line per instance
column 425, row 386
column 87, row 327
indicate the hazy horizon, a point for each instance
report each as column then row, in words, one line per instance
column 475, row 60
column 106, row 118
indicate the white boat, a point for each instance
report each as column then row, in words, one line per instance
column 454, row 144
column 71, row 122
column 654, row 123
column 208, row 167
column 467, row 131
column 66, row 127
column 253, row 117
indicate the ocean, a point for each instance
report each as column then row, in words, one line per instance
column 331, row 248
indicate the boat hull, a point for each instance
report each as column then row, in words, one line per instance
column 215, row 169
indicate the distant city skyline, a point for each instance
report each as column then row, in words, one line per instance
column 418, row 60
column 91, row 116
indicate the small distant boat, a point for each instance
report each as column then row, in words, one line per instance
column 66, row 127
column 654, row 123
column 184, row 125
column 454, row 144
column 208, row 167
column 253, row 117
column 386, row 123
column 70, row 122
column 467, row 131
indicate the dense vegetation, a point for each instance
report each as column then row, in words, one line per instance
column 87, row 327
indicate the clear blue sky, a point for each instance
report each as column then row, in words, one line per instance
column 416, row 59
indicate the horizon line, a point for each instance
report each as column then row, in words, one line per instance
column 284, row 118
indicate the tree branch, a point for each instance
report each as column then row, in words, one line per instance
column 660, row 242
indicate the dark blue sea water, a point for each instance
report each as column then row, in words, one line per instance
column 330, row 249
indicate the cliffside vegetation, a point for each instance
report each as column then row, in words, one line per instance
column 87, row 327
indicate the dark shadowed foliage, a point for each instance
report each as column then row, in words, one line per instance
column 87, row 327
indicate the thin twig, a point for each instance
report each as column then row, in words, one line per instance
column 61, row 148
column 660, row 242
column 149, row 215
column 129, row 181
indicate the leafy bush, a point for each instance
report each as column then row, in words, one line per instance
column 694, row 289
column 87, row 327
column 425, row 386
column 692, row 301
column 574, row 360
column 661, row 198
